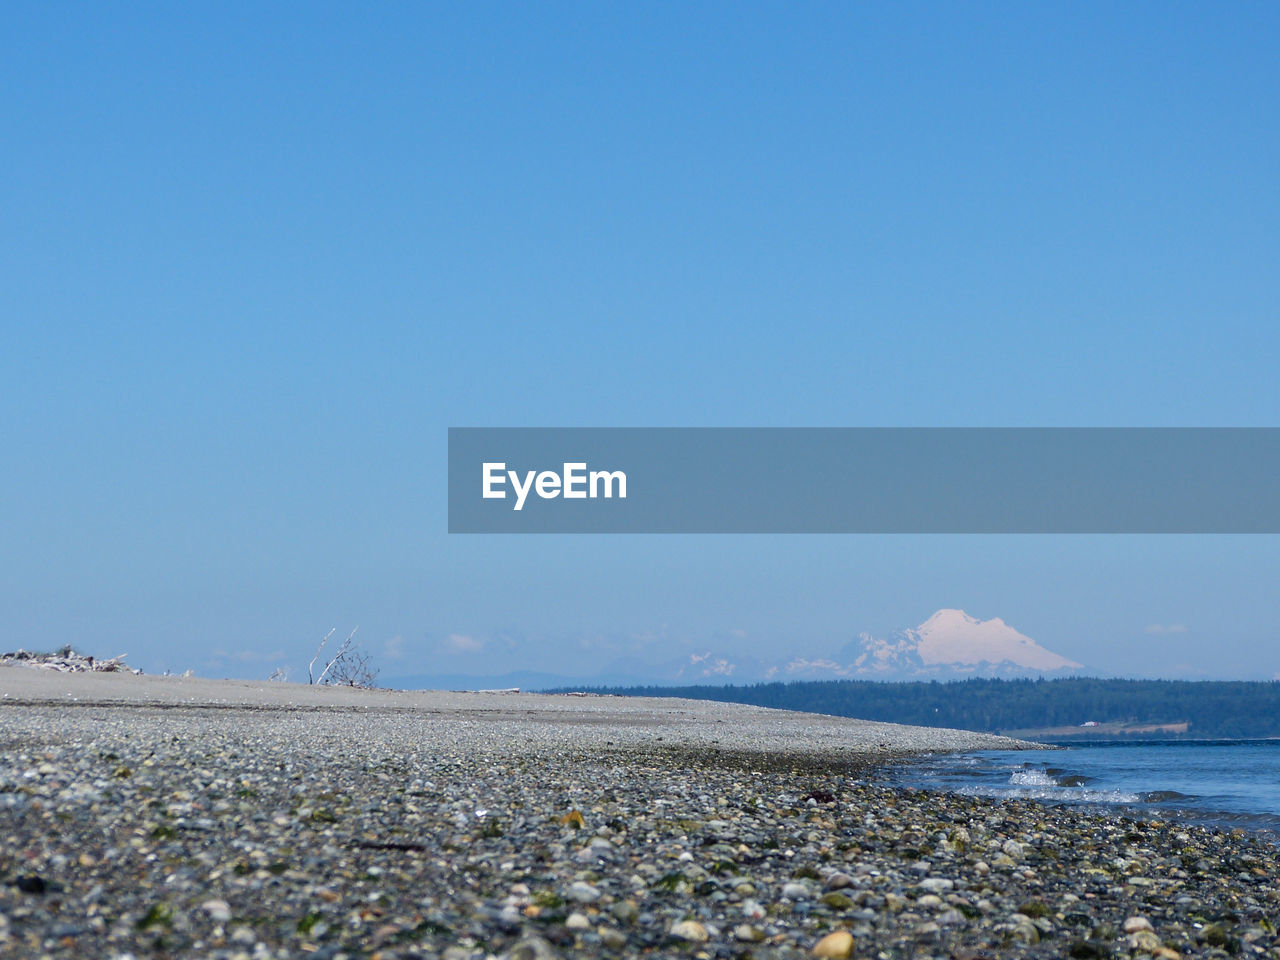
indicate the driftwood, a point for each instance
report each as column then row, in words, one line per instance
column 67, row 660
column 347, row 668
column 342, row 652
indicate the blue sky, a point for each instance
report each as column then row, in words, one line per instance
column 256, row 261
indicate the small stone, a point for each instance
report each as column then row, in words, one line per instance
column 839, row 881
column 531, row 948
column 795, row 891
column 937, row 884
column 219, row 911
column 243, row 935
column 1214, row 935
column 583, row 892
column 836, row 901
column 1012, row 849
column 982, row 868
column 31, row 884
column 624, row 911
column 613, row 938
column 1089, row 950
column 1144, row 941
column 577, row 921
column 1134, row 924
column 689, row 930
column 838, row 945
column 747, row 933
column 1026, row 932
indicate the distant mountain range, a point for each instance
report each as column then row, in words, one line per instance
column 949, row 645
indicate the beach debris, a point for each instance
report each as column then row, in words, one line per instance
column 66, row 660
column 348, row 667
column 573, row 820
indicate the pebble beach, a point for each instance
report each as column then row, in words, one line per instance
column 169, row 817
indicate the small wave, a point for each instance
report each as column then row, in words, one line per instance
column 1265, row 825
column 1108, row 796
column 1233, row 818
column 1032, row 778
column 1166, row 796
column 1209, row 785
column 1054, row 794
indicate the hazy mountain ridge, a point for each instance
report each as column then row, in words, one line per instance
column 950, row 645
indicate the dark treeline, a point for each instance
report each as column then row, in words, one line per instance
column 1212, row 708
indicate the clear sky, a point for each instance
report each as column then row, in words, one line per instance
column 255, row 259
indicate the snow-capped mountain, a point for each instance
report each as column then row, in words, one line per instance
column 952, row 644
column 949, row 645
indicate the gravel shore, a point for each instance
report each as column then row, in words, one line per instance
column 185, row 818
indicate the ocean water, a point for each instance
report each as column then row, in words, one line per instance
column 1221, row 783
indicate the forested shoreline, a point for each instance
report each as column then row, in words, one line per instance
column 1209, row 708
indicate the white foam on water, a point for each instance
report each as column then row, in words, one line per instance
column 1054, row 794
column 1031, row 778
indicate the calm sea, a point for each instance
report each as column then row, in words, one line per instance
column 1222, row 783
